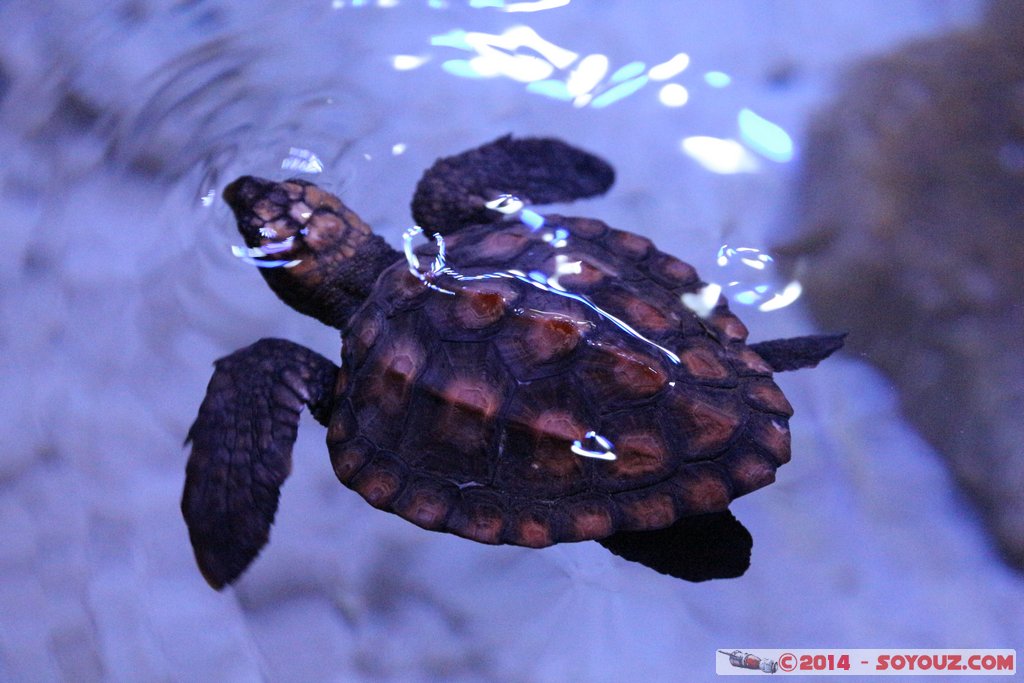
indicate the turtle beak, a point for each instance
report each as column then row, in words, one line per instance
column 244, row 191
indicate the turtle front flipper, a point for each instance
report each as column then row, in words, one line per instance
column 695, row 548
column 242, row 449
column 798, row 352
column 453, row 193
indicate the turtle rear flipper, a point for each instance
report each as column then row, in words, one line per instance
column 242, row 449
column 695, row 548
column 798, row 352
column 453, row 192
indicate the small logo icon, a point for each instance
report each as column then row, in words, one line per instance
column 745, row 660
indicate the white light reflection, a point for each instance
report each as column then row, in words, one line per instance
column 253, row 255
column 673, row 67
column 788, row 295
column 703, row 300
column 408, row 62
column 767, row 138
column 587, row 74
column 594, row 446
column 536, row 6
column 398, row 148
column 524, row 36
column 563, row 266
column 507, row 204
column 544, row 67
column 510, row 205
column 302, row 160
column 208, row 198
column 673, row 95
column 720, row 155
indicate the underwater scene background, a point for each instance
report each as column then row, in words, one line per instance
column 738, row 129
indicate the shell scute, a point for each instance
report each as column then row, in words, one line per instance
column 483, row 398
column 540, row 342
column 481, row 516
column 426, row 502
column 703, row 420
column 380, row 480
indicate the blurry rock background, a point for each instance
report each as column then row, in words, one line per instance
column 911, row 229
column 120, row 122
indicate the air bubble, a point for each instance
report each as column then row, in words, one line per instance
column 515, row 208
column 255, row 256
column 746, row 275
column 593, row 445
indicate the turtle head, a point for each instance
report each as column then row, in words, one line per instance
column 316, row 254
column 294, row 218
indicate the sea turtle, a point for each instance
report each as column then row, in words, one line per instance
column 541, row 382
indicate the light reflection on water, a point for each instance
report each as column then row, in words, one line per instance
column 543, row 281
column 521, row 54
column 593, row 445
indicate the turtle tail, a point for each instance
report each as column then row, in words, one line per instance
column 454, row 192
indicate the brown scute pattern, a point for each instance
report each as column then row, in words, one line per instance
column 537, row 457
column 451, row 424
column 704, row 365
column 629, row 244
column 654, row 509
column 364, row 334
column 426, row 502
column 640, row 455
column 586, row 228
column 481, row 517
column 343, row 421
column 670, row 271
column 771, row 435
column 399, row 290
column 536, row 526
column 617, row 375
column 700, row 488
column 502, row 246
column 348, row 457
column 748, row 471
column 479, row 306
column 705, row 420
column 728, row 325
column 766, row 395
column 381, row 480
column 747, row 362
column 473, row 310
column 538, row 343
column 643, row 450
column 459, row 412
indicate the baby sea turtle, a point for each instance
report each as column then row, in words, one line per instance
column 542, row 382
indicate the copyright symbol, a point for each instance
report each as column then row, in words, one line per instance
column 787, row 661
